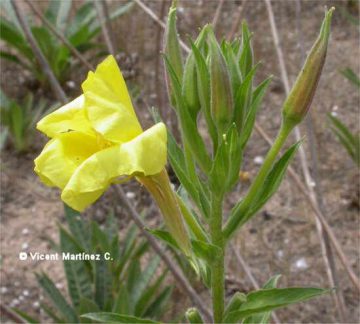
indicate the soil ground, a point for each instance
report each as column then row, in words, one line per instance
column 282, row 238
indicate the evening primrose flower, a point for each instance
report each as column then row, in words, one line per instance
column 96, row 140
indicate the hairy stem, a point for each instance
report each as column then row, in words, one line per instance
column 217, row 270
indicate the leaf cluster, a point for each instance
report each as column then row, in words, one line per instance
column 124, row 284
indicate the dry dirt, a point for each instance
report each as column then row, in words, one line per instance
column 282, row 238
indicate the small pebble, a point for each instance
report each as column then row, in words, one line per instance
column 25, row 231
column 59, row 285
column 26, row 292
column 71, row 84
column 259, row 160
column 21, row 298
column 130, row 195
column 16, row 283
column 36, row 304
column 280, row 254
column 335, row 108
column 3, row 290
column 25, row 246
column 14, row 302
column 301, row 264
column 334, row 113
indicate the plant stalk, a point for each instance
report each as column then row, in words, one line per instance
column 218, row 266
column 235, row 222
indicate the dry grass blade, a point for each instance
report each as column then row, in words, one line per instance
column 55, row 85
column 236, row 21
column 103, row 14
column 217, row 14
column 328, row 253
column 59, row 35
column 320, row 221
column 158, row 20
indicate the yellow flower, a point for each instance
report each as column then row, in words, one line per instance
column 96, row 139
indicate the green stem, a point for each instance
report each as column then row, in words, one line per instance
column 217, row 269
column 239, row 215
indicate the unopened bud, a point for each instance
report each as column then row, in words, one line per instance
column 299, row 100
column 193, row 316
column 172, row 49
column 221, row 103
column 190, row 82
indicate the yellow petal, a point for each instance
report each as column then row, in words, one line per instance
column 62, row 155
column 108, row 104
column 144, row 155
column 68, row 117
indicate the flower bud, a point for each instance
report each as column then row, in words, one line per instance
column 190, row 83
column 193, row 316
column 159, row 187
column 172, row 49
column 221, row 102
column 299, row 100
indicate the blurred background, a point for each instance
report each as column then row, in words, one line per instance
column 283, row 238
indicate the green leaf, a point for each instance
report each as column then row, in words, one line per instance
column 157, row 305
column 165, row 236
column 177, row 161
column 227, row 162
column 77, row 227
column 51, row 313
column 15, row 59
column 351, row 142
column 121, row 303
column 144, row 280
column 263, row 318
column 351, row 76
column 265, row 300
column 87, row 305
column 14, row 38
column 233, row 305
column 257, row 97
column 203, row 84
column 77, row 272
column 103, row 282
column 205, row 251
column 246, row 52
column 57, row 298
column 243, row 99
column 115, row 318
column 148, row 295
column 192, row 221
column 26, row 317
column 270, row 186
column 57, row 13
